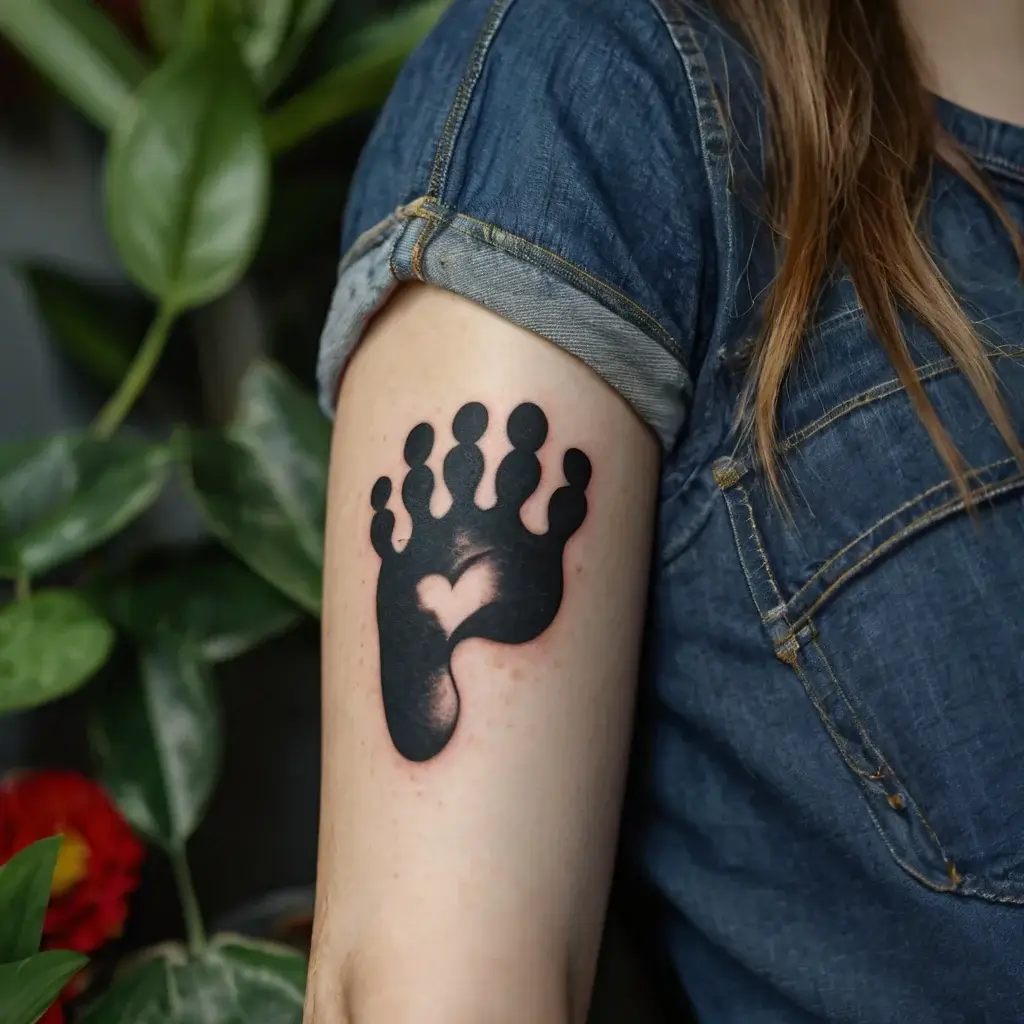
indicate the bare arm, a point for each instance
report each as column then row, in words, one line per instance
column 479, row 670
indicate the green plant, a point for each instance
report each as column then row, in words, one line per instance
column 193, row 133
column 29, row 980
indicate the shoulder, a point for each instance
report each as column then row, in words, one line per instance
column 497, row 78
column 580, row 139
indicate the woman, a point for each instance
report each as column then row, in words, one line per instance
column 686, row 334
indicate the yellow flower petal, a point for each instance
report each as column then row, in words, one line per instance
column 72, row 864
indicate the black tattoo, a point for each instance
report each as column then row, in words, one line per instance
column 523, row 569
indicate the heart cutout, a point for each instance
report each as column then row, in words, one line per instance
column 452, row 604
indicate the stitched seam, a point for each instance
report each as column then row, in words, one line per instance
column 883, row 390
column 451, row 219
column 945, row 484
column 418, row 208
column 370, row 239
column 416, row 259
column 1001, row 164
column 599, row 283
column 865, row 398
column 574, row 267
column 987, row 493
column 457, row 115
column 841, row 744
column 883, row 765
column 973, row 889
column 756, row 535
column 1001, row 161
column 874, row 749
column 406, row 220
column 908, row 867
column 883, row 768
column 739, row 551
column 825, row 327
column 706, row 110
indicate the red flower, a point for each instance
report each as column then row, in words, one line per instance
column 98, row 865
column 54, row 1015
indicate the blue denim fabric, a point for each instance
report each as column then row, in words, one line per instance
column 832, row 780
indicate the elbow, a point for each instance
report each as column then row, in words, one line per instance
column 328, row 989
column 391, row 996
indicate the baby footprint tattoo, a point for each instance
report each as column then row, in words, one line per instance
column 516, row 574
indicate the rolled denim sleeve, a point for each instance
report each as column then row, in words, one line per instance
column 541, row 158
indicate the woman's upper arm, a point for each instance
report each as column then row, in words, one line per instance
column 523, row 277
column 482, row 619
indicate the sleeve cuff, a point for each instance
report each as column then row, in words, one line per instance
column 524, row 284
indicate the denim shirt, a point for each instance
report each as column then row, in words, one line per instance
column 832, row 770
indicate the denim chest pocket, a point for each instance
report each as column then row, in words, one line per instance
column 899, row 607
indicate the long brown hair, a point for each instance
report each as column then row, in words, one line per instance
column 853, row 138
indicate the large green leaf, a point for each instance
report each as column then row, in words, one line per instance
column 25, row 883
column 63, row 495
column 234, row 982
column 283, row 426
column 262, row 29
column 263, row 486
column 242, row 509
column 99, row 329
column 50, row 645
column 157, row 742
column 29, row 987
column 361, row 82
column 188, row 176
column 250, row 958
column 271, row 34
column 80, row 50
column 139, row 993
column 217, row 604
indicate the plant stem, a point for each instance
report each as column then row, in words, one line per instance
column 194, row 929
column 198, row 18
column 134, row 382
column 22, row 585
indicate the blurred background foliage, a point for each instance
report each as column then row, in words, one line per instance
column 173, row 174
column 176, row 525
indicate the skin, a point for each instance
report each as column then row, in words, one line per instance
column 469, row 887
column 973, row 52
